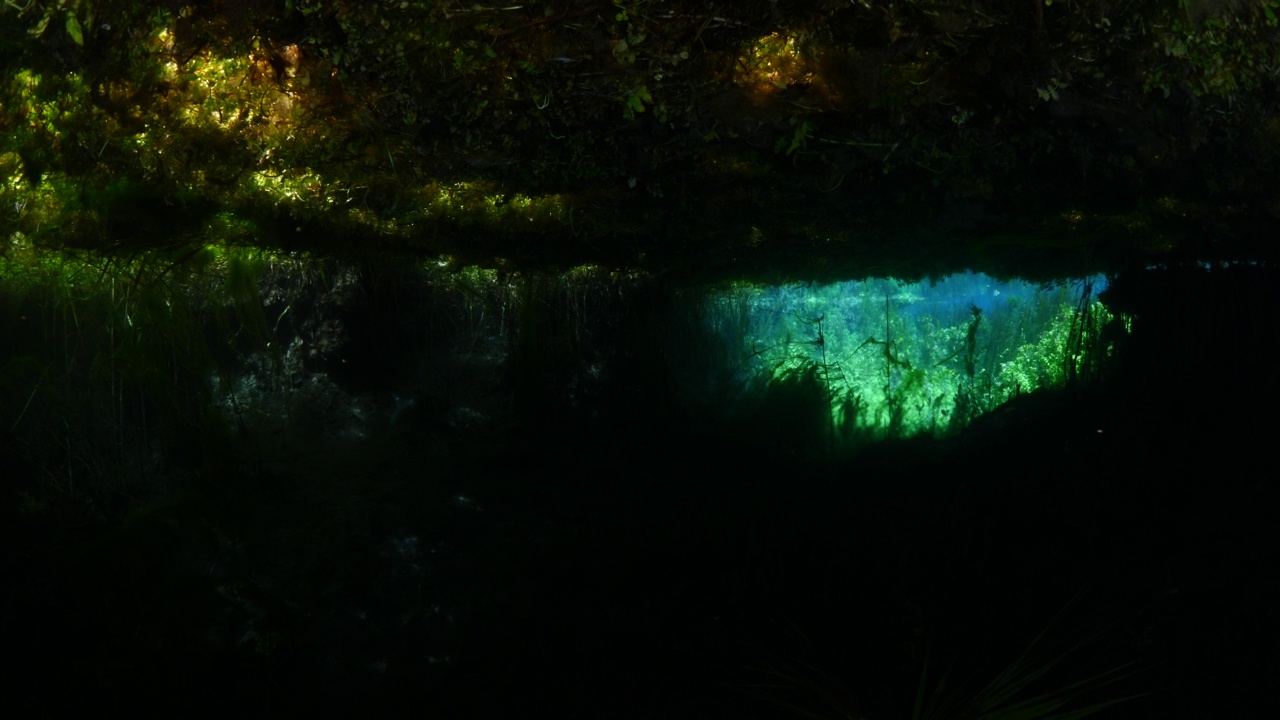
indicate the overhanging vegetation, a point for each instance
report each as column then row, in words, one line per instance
column 737, row 136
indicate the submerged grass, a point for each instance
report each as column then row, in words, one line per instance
column 1013, row 693
column 1035, row 685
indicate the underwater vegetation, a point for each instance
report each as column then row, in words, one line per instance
column 838, row 365
column 126, row 371
column 297, row 469
column 105, row 376
column 1035, row 684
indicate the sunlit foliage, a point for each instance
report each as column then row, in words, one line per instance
column 326, row 122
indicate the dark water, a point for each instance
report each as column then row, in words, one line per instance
column 532, row 555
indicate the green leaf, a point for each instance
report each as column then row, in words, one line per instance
column 73, row 29
column 39, row 28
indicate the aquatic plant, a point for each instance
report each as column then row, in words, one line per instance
column 897, row 360
column 1034, row 685
column 108, row 360
column 1019, row 691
